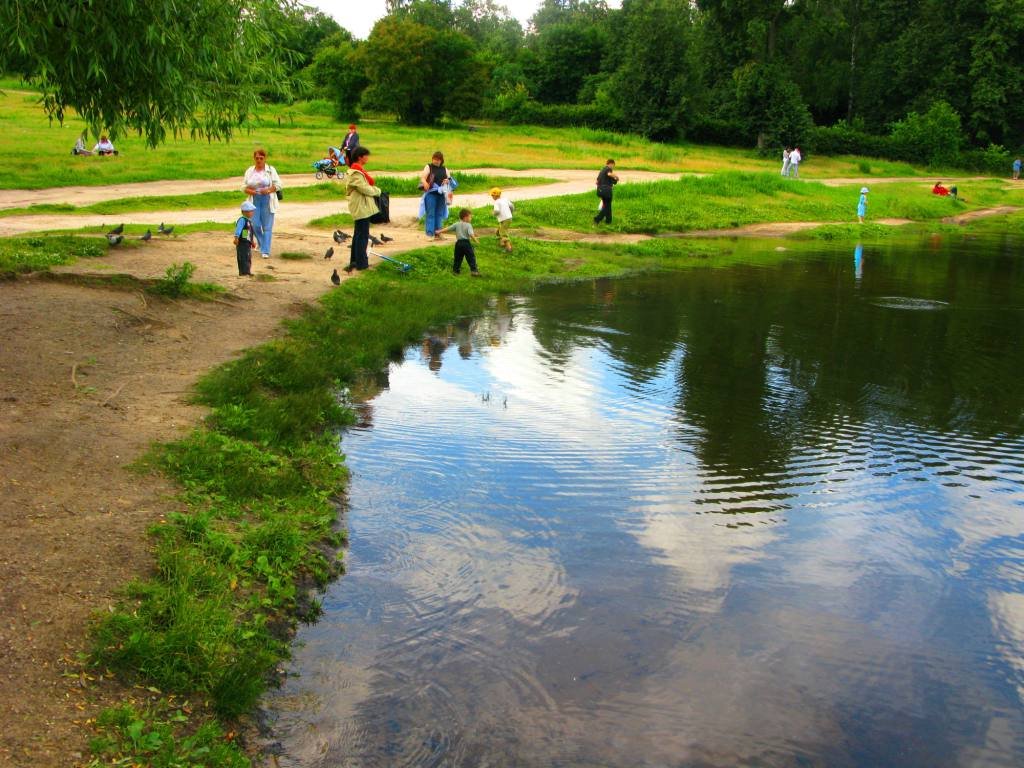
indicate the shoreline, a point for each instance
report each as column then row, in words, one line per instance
column 163, row 350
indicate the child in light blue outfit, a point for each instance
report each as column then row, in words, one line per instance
column 862, row 205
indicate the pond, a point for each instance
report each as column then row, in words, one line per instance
column 769, row 513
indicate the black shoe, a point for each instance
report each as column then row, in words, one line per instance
column 349, row 268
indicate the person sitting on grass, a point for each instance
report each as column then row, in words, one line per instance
column 464, row 239
column 79, row 148
column 104, row 147
column 940, row 190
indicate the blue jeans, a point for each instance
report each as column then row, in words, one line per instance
column 263, row 222
column 434, row 206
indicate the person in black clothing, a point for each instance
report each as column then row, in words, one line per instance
column 606, row 179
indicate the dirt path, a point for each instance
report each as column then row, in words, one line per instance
column 90, row 377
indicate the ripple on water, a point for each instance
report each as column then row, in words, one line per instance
column 906, row 302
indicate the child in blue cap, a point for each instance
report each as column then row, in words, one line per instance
column 862, row 205
column 245, row 239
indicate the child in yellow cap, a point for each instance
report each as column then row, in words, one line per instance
column 503, row 213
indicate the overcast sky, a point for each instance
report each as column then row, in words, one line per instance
column 358, row 16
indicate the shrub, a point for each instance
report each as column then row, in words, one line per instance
column 845, row 139
column 933, row 137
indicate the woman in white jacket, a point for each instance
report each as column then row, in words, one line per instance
column 262, row 184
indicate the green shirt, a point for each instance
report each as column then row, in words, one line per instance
column 463, row 230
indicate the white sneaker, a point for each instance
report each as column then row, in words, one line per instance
column 265, row 255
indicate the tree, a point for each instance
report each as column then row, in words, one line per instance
column 567, row 53
column 652, row 82
column 337, row 74
column 997, row 75
column 771, row 106
column 421, row 73
column 303, row 29
column 146, row 65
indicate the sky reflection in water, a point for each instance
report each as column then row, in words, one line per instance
column 762, row 515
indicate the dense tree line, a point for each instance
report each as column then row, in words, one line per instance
column 926, row 80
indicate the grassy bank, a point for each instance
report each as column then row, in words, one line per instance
column 257, row 532
column 729, row 200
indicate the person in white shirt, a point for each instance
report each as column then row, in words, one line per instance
column 785, row 161
column 262, row 184
column 794, row 162
column 104, row 146
column 503, row 213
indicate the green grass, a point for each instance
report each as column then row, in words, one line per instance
column 33, row 254
column 148, row 736
column 729, row 200
column 38, row 155
column 295, row 256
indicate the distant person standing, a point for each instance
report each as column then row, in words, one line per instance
column 862, row 205
column 785, row 161
column 1016, row 169
column 263, row 184
column 350, row 142
column 606, row 179
column 795, row 159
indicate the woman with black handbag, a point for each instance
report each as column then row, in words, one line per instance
column 362, row 205
column 435, row 202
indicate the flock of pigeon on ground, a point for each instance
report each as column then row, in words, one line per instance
column 116, row 237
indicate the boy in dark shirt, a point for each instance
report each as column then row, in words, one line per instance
column 245, row 239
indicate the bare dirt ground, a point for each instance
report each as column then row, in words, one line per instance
column 90, row 377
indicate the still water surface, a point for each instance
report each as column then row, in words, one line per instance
column 770, row 514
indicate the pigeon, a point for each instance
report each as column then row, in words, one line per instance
column 116, row 230
column 115, row 239
column 340, row 237
column 164, row 230
column 330, row 252
column 148, row 236
column 335, row 277
column 375, row 241
column 385, row 238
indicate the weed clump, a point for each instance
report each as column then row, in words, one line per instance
column 175, row 283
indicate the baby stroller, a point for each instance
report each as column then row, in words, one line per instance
column 330, row 165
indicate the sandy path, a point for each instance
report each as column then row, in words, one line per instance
column 567, row 182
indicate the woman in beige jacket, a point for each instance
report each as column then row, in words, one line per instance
column 362, row 205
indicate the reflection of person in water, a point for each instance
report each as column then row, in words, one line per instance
column 434, row 347
column 858, row 262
